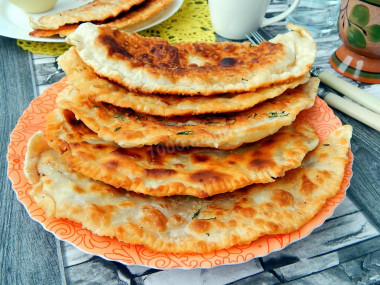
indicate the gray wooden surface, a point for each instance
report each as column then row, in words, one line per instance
column 28, row 255
column 344, row 250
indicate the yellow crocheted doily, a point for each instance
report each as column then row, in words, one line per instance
column 43, row 48
column 191, row 23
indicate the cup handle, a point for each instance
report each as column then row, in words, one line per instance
column 268, row 21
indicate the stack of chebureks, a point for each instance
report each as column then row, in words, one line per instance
column 185, row 148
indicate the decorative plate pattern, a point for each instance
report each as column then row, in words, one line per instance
column 320, row 116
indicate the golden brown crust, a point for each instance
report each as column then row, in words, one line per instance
column 97, row 10
column 61, row 31
column 223, row 131
column 137, row 14
column 125, row 20
column 83, row 77
column 183, row 224
column 164, row 171
column 152, row 65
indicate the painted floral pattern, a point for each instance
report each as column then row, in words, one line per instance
column 357, row 22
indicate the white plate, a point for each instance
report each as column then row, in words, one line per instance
column 14, row 22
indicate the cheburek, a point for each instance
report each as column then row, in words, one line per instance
column 224, row 131
column 138, row 14
column 61, row 31
column 96, row 10
column 152, row 65
column 83, row 77
column 126, row 20
column 184, row 224
column 161, row 171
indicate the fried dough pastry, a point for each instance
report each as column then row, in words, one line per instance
column 83, row 77
column 61, row 31
column 152, row 65
column 138, row 14
column 224, row 131
column 125, row 20
column 161, row 171
column 185, row 224
column 96, row 10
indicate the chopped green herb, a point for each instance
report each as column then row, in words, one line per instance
column 208, row 234
column 277, row 114
column 95, row 106
column 214, row 218
column 244, row 79
column 140, row 117
column 119, row 116
column 185, row 133
column 196, row 214
column 118, row 128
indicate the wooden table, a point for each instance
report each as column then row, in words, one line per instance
column 344, row 250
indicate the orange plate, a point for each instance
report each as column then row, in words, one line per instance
column 320, row 116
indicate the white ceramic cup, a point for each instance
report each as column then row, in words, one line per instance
column 233, row 19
